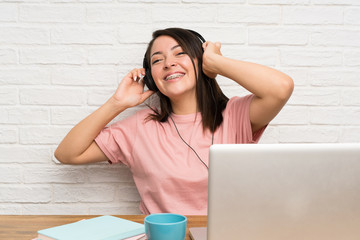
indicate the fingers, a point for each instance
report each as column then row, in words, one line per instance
column 209, row 43
column 206, row 45
column 137, row 74
column 211, row 48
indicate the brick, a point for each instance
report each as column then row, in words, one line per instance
column 315, row 97
column 129, row 55
column 336, row 2
column 8, row 13
column 128, row 208
column 277, row 36
column 69, row 116
column 42, row 135
column 291, row 115
column 109, row 174
column 81, row 35
column 313, row 15
column 311, row 58
column 51, row 13
column 83, row 193
column 97, row 1
column 10, row 209
column 24, row 154
column 149, row 1
column 326, row 115
column 335, row 116
column 352, row 16
column 299, row 75
column 97, row 97
column 128, row 194
column 249, row 14
column 10, row 174
column 340, row 78
column 64, row 1
column 183, row 13
column 8, row 56
column 8, row 135
column 125, row 13
column 52, row 55
column 336, row 37
column 232, row 91
column 21, row 115
column 270, row 136
column 25, row 194
column 52, row 96
column 25, row 76
column 54, row 174
column 225, row 35
column 352, row 58
column 350, row 97
column 309, row 134
column 9, row 96
column 214, row 1
column 224, row 81
column 24, row 35
column 55, row 209
column 84, row 76
column 140, row 33
column 264, row 56
column 280, row 2
column 349, row 134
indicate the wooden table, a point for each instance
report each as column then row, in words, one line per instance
column 25, row 227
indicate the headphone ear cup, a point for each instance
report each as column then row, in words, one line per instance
column 149, row 81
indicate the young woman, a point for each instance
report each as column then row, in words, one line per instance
column 166, row 147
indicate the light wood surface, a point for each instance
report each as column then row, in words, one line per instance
column 25, row 227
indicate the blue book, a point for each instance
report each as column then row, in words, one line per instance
column 98, row 228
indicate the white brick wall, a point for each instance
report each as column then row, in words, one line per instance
column 61, row 59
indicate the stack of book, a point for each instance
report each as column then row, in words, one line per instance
column 98, row 228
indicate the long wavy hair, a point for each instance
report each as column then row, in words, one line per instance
column 211, row 101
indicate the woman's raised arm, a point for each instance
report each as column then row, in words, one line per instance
column 271, row 88
column 78, row 146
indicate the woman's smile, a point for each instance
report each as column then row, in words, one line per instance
column 174, row 76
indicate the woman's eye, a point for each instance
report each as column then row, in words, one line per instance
column 155, row 61
column 181, row 53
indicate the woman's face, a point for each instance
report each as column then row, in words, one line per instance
column 172, row 69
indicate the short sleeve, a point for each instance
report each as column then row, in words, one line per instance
column 117, row 140
column 238, row 114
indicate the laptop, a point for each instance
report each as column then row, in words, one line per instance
column 283, row 192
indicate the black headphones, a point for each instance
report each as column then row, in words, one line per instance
column 148, row 80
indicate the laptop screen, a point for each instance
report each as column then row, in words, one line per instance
column 284, row 191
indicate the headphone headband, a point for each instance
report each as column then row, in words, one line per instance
column 202, row 39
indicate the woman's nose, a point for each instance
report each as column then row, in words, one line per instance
column 169, row 62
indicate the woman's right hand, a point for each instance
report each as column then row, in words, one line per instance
column 130, row 91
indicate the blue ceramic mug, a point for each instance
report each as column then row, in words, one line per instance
column 165, row 226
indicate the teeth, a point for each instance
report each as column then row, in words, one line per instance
column 174, row 76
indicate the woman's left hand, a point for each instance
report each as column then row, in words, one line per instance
column 211, row 51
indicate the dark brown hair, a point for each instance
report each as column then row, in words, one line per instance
column 211, row 101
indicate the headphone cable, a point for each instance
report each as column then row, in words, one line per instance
column 188, row 144
column 213, row 129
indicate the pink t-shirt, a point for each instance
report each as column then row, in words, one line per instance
column 167, row 173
